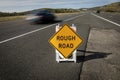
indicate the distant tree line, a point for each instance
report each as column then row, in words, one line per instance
column 5, row 14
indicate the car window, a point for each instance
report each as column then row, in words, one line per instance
column 43, row 13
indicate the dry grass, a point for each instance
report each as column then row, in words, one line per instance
column 114, row 7
column 11, row 18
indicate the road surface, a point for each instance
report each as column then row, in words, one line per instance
column 25, row 53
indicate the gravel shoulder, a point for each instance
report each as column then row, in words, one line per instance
column 102, row 58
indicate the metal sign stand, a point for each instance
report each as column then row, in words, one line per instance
column 59, row 56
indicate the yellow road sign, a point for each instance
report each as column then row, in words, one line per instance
column 66, row 40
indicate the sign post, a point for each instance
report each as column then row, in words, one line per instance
column 66, row 41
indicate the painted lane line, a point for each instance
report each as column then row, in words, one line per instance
column 25, row 34
column 30, row 32
column 74, row 17
column 106, row 19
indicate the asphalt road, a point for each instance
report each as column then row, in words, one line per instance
column 25, row 53
column 111, row 16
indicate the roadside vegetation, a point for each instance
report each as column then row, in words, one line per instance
column 6, row 16
column 114, row 7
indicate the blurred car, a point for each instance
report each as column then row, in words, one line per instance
column 98, row 11
column 41, row 16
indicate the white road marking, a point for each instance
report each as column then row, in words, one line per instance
column 25, row 34
column 30, row 32
column 106, row 19
column 73, row 17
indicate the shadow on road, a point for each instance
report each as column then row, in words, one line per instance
column 93, row 55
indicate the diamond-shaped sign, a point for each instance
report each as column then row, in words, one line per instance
column 66, row 41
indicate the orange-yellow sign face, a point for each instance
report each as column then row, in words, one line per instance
column 66, row 41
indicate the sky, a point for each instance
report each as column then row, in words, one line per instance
column 26, row 5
